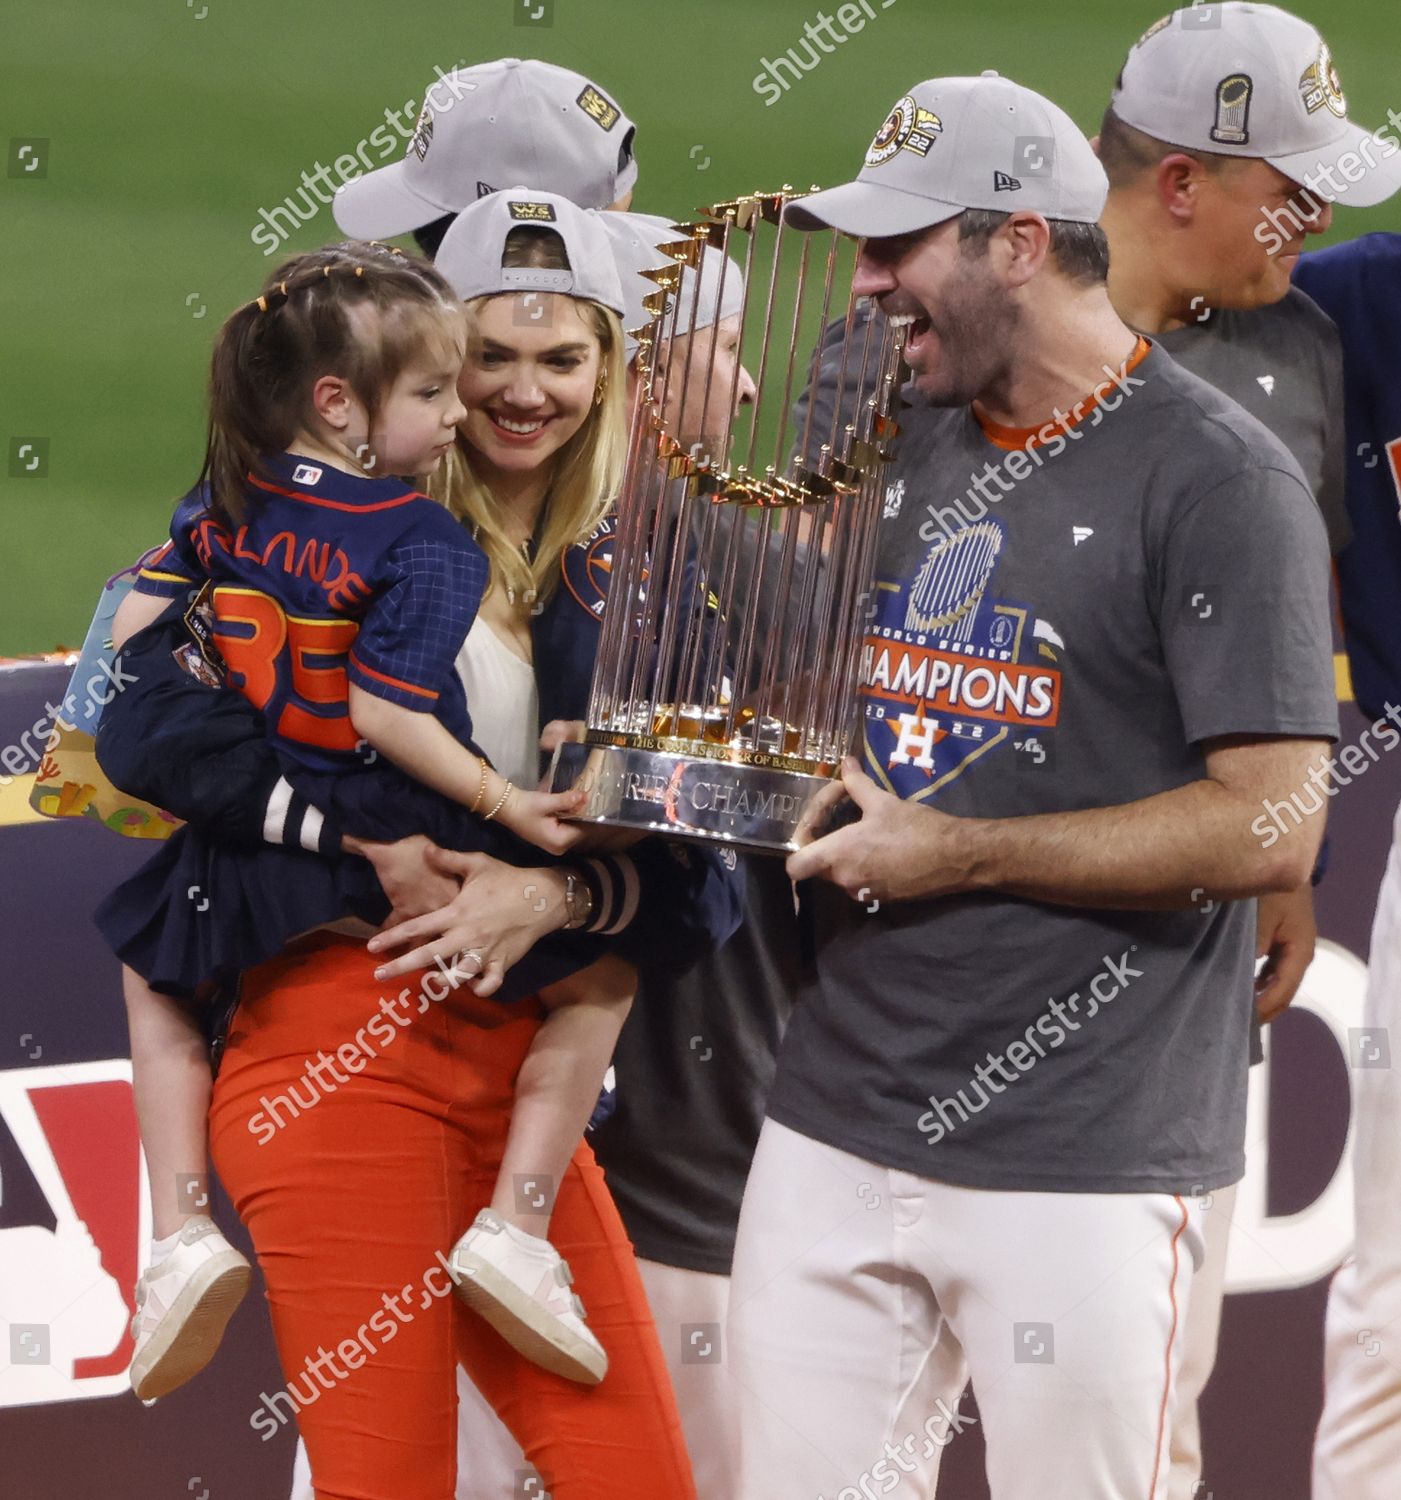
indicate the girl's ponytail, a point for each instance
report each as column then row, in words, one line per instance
column 270, row 353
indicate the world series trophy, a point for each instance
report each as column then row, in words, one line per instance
column 723, row 694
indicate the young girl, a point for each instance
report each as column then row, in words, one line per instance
column 341, row 603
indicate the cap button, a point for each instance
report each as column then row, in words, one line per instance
column 990, row 73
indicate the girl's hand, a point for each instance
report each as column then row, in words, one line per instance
column 559, row 732
column 412, row 884
column 493, row 921
column 537, row 818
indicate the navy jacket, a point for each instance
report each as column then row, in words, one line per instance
column 259, row 860
column 1358, row 284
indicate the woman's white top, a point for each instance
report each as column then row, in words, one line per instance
column 504, row 703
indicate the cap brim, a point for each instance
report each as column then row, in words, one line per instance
column 868, row 210
column 381, row 204
column 1375, row 184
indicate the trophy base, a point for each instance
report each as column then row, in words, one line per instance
column 749, row 807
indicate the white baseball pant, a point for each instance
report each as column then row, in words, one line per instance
column 1199, row 1346
column 1357, row 1453
column 863, row 1298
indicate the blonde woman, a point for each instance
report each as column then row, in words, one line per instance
column 349, row 1204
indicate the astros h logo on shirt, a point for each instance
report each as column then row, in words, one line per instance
column 949, row 671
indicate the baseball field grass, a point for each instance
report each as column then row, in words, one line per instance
column 149, row 141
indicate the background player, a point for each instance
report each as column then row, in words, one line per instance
column 1206, row 142
column 1357, row 1454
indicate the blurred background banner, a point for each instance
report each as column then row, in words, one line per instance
column 158, row 150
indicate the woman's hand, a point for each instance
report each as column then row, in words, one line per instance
column 412, row 884
column 496, row 918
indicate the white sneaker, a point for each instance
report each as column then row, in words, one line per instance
column 183, row 1305
column 520, row 1285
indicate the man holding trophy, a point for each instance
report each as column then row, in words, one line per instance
column 1097, row 643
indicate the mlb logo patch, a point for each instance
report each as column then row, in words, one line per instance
column 533, row 213
column 603, row 113
column 306, row 474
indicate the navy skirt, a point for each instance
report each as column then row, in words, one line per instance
column 201, row 912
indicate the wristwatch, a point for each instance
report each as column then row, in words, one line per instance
column 578, row 901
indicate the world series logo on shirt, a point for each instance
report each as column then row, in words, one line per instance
column 948, row 671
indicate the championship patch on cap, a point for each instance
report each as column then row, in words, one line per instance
column 422, row 135
column 603, row 112
column 1153, row 30
column 532, row 213
column 907, row 128
column 1319, row 84
column 1233, row 110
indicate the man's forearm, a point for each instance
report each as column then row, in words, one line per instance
column 1163, row 852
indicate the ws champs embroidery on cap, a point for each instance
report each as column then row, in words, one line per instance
column 1319, row 84
column 422, row 136
column 907, row 128
column 1233, row 110
column 601, row 111
column 532, row 213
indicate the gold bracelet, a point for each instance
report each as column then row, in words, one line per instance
column 487, row 817
column 481, row 788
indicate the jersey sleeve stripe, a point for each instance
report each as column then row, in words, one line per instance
column 390, row 504
column 394, row 682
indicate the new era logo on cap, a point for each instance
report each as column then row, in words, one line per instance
column 533, row 213
column 1002, row 183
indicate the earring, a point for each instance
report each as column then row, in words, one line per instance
column 601, row 389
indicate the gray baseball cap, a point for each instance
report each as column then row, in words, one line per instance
column 472, row 250
column 957, row 143
column 1252, row 80
column 634, row 238
column 484, row 127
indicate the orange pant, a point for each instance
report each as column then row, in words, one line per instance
column 351, row 1189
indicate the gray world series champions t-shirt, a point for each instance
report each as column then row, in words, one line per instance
column 1284, row 364
column 1153, row 582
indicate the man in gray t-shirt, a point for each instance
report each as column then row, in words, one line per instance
column 1098, row 645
